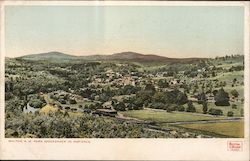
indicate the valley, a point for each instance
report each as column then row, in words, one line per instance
column 124, row 95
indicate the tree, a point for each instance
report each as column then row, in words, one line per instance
column 204, row 109
column 181, row 98
column 120, row 106
column 150, row 87
column 230, row 114
column 181, row 108
column 37, row 103
column 234, row 106
column 221, row 98
column 215, row 92
column 163, row 83
column 202, row 97
column 72, row 101
column 235, row 93
column 213, row 111
column 190, row 107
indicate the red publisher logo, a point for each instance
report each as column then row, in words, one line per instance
column 234, row 145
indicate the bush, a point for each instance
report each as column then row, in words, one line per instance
column 181, row 108
column 158, row 105
column 213, row 111
column 72, row 101
column 171, row 107
column 230, row 114
column 234, row 106
column 120, row 106
column 36, row 103
column 190, row 107
column 235, row 93
column 67, row 108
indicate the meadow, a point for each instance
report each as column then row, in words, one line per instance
column 222, row 128
column 161, row 116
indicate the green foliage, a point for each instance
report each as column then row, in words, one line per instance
column 234, row 106
column 120, row 106
column 59, row 125
column 213, row 111
column 150, row 87
column 205, row 108
column 163, row 83
column 221, row 98
column 235, row 93
column 201, row 98
column 230, row 114
column 36, row 103
column 72, row 101
column 190, row 107
column 181, row 108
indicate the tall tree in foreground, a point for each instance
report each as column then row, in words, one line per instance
column 190, row 107
column 204, row 109
column 222, row 98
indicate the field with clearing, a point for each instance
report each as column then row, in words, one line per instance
column 230, row 129
column 229, row 76
column 163, row 116
column 47, row 109
column 225, row 109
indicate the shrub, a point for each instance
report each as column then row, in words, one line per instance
column 235, row 93
column 36, row 103
column 230, row 114
column 234, row 106
column 213, row 111
column 67, row 108
column 171, row 107
column 72, row 101
column 158, row 105
column 181, row 108
column 190, row 107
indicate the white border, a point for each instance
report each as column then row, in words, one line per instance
column 127, row 149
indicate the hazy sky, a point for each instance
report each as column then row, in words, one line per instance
column 162, row 30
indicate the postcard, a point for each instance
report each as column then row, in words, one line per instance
column 127, row 80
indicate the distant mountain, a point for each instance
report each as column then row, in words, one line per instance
column 137, row 56
column 123, row 56
column 54, row 55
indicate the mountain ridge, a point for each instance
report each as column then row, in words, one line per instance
column 122, row 56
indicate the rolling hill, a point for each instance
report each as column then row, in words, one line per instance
column 123, row 56
column 54, row 55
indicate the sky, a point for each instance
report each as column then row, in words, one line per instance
column 172, row 31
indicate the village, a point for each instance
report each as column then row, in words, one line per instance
column 154, row 97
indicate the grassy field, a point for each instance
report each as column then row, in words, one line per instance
column 227, row 66
column 239, row 88
column 225, row 109
column 230, row 129
column 229, row 76
column 48, row 108
column 162, row 116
